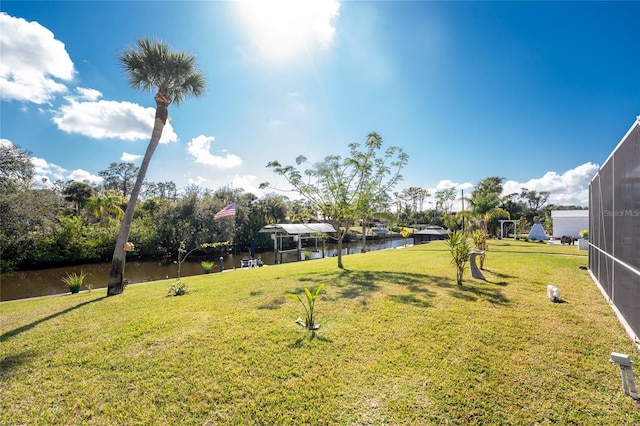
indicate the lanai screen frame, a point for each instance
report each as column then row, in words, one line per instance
column 614, row 230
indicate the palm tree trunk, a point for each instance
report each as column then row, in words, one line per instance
column 116, row 275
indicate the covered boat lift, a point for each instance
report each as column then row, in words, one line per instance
column 297, row 231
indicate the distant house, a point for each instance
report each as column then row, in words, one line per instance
column 430, row 233
column 569, row 223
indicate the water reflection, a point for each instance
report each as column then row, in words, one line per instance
column 45, row 282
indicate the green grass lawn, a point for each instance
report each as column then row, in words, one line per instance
column 399, row 343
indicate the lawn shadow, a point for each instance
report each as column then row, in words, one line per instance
column 10, row 362
column 274, row 304
column 499, row 274
column 473, row 293
column 363, row 284
column 29, row 326
column 311, row 336
column 411, row 299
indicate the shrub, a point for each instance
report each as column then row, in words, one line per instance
column 207, row 266
column 459, row 248
column 74, row 281
column 178, row 288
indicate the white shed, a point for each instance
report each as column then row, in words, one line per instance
column 569, row 222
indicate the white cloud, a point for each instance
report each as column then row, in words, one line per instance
column 199, row 148
column 44, row 171
column 86, row 94
column 570, row 187
column 129, row 158
column 45, row 174
column 6, row 142
column 283, row 29
column 110, row 119
column 200, row 181
column 249, row 183
column 32, row 62
column 80, row 175
column 446, row 184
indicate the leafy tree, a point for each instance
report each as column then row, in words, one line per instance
column 445, row 198
column 301, row 211
column 161, row 190
column 532, row 202
column 511, row 205
column 275, row 208
column 119, row 177
column 77, row 193
column 484, row 202
column 25, row 217
column 416, row 197
column 152, row 65
column 16, row 169
column 342, row 188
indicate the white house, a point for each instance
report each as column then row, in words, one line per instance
column 569, row 222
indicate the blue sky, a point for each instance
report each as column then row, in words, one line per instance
column 539, row 93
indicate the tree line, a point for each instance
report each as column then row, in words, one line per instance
column 76, row 222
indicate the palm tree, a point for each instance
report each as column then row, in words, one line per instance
column 104, row 207
column 152, row 65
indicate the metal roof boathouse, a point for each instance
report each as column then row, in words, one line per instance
column 298, row 232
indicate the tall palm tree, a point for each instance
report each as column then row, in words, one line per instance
column 152, row 65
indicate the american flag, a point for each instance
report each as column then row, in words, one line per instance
column 230, row 210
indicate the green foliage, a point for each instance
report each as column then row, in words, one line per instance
column 309, row 321
column 119, row 177
column 307, row 254
column 16, row 169
column 72, row 238
column 77, row 193
column 459, row 249
column 344, row 190
column 74, row 281
column 584, row 233
column 207, row 266
column 178, row 288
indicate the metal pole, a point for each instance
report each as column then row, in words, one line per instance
column 462, row 199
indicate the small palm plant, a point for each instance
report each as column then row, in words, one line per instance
column 309, row 321
column 74, row 281
column 178, row 288
column 459, row 248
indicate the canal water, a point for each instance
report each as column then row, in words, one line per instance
column 46, row 282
